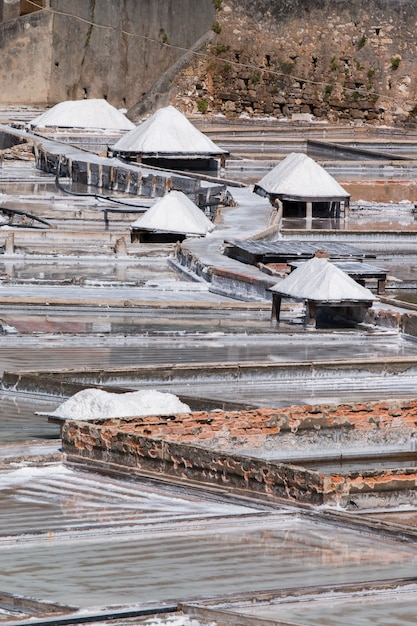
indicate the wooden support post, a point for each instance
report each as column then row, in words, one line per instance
column 309, row 214
column 128, row 175
column 311, row 314
column 346, row 209
column 276, row 306
column 9, row 247
column 381, row 285
column 168, row 185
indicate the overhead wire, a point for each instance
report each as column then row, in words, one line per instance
column 97, row 196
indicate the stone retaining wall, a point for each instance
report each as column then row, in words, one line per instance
column 341, row 61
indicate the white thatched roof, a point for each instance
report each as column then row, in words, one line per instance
column 299, row 177
column 175, row 213
column 321, row 281
column 88, row 114
column 167, row 133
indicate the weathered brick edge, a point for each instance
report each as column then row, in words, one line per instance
column 178, row 447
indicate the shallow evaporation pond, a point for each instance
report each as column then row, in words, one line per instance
column 18, row 421
column 132, row 348
column 270, row 394
column 183, row 561
column 39, row 499
column 136, row 273
column 379, row 609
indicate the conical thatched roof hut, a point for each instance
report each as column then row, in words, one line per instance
column 322, row 285
column 301, row 186
column 168, row 139
column 172, row 218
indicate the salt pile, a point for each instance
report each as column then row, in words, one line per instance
column 96, row 404
column 92, row 114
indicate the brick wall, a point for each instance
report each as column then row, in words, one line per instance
column 211, row 447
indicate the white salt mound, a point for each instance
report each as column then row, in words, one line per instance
column 93, row 114
column 96, row 403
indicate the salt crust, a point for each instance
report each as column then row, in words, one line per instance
column 97, row 403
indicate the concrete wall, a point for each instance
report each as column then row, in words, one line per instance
column 119, row 58
column 9, row 10
column 25, row 59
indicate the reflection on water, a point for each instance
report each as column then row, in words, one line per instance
column 357, row 223
column 364, row 215
column 218, row 558
column 135, row 272
column 18, row 421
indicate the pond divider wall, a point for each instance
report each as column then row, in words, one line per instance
column 227, row 448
